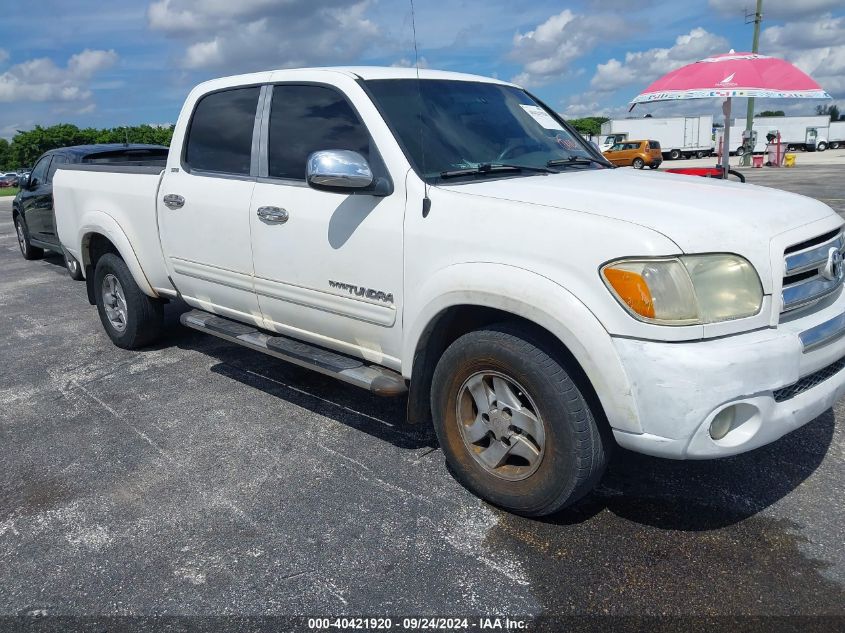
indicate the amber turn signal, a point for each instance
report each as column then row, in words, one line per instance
column 632, row 289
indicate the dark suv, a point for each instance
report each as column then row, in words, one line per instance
column 32, row 209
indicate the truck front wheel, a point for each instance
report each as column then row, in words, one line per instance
column 130, row 318
column 513, row 426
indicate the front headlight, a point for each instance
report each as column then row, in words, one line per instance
column 686, row 290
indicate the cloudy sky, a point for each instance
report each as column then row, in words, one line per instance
column 120, row 62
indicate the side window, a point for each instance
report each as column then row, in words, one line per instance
column 57, row 160
column 306, row 119
column 220, row 132
column 39, row 172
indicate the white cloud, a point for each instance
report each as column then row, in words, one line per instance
column 406, row 62
column 775, row 8
column 547, row 52
column 816, row 46
column 643, row 67
column 247, row 35
column 4, row 55
column 42, row 80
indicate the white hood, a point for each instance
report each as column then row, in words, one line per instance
column 700, row 215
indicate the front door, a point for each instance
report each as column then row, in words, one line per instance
column 811, row 136
column 331, row 272
column 203, row 206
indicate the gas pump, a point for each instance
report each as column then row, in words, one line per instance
column 749, row 141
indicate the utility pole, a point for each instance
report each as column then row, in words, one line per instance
column 749, row 119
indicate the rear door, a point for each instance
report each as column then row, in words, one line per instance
column 203, row 205
column 331, row 272
column 36, row 200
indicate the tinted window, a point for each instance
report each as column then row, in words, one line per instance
column 654, row 145
column 57, row 160
column 39, row 173
column 152, row 156
column 220, row 134
column 306, row 119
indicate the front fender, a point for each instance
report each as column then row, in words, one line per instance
column 541, row 301
column 93, row 222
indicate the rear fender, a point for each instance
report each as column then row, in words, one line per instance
column 99, row 222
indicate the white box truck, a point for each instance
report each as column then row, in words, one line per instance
column 836, row 134
column 807, row 133
column 678, row 136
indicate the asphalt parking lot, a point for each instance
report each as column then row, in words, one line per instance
column 198, row 478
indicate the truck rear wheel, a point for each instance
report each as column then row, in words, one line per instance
column 675, row 154
column 513, row 426
column 130, row 318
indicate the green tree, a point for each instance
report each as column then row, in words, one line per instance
column 27, row 146
column 588, row 125
column 831, row 110
column 4, row 155
column 771, row 113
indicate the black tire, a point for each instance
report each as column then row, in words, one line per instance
column 27, row 249
column 675, row 154
column 821, row 147
column 740, row 151
column 654, row 166
column 574, row 455
column 700, row 154
column 638, row 163
column 144, row 315
column 74, row 268
column 834, row 145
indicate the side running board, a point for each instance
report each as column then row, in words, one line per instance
column 379, row 380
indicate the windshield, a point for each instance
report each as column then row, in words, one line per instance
column 465, row 125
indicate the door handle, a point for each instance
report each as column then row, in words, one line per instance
column 173, row 201
column 273, row 215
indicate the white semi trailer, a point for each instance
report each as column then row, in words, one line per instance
column 678, row 136
column 808, row 133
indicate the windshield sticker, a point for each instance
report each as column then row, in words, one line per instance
column 541, row 116
column 567, row 143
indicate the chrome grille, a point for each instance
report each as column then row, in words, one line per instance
column 810, row 381
column 809, row 273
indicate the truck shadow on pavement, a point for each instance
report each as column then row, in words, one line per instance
column 383, row 418
column 695, row 495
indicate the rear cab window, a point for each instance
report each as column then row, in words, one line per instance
column 220, row 132
column 653, row 145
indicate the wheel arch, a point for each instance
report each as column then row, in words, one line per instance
column 548, row 310
column 101, row 234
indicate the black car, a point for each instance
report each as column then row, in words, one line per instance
column 32, row 209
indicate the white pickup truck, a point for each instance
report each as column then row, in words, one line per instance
column 450, row 237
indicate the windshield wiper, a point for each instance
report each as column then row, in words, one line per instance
column 494, row 168
column 577, row 160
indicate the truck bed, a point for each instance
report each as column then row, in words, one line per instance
column 119, row 197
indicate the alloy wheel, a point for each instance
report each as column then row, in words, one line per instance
column 500, row 425
column 114, row 302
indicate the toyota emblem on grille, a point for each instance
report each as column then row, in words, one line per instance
column 833, row 268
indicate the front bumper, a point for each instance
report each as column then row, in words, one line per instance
column 777, row 382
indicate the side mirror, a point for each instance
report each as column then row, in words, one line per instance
column 338, row 170
column 27, row 182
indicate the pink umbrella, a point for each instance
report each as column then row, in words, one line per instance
column 733, row 75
